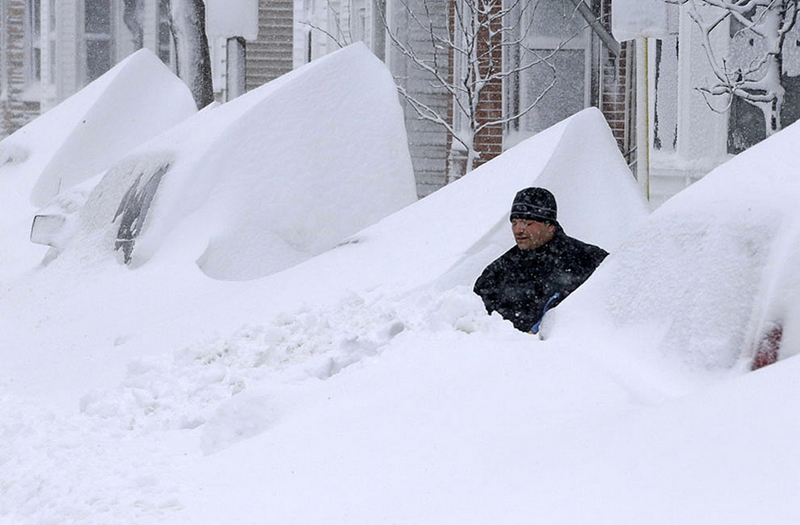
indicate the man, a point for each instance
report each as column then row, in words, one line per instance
column 543, row 268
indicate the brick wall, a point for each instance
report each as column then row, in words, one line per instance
column 489, row 141
column 617, row 95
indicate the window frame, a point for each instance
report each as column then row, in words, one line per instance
column 89, row 38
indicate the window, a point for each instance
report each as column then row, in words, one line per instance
column 34, row 69
column 51, row 42
column 358, row 22
column 567, row 95
column 47, row 54
column 164, row 43
column 665, row 124
column 334, row 25
column 553, row 51
column 378, row 31
column 98, row 35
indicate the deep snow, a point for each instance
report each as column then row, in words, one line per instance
column 368, row 385
column 49, row 160
column 249, row 195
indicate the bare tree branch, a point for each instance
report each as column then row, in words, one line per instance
column 758, row 82
column 470, row 54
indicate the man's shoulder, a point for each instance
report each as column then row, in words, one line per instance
column 577, row 248
column 511, row 256
column 497, row 270
column 589, row 248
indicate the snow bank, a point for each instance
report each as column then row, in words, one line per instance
column 451, row 235
column 439, row 244
column 134, row 101
column 710, row 277
column 368, row 385
column 45, row 162
column 456, row 428
column 267, row 180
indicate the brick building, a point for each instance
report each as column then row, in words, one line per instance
column 604, row 64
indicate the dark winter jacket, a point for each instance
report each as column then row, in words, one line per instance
column 520, row 282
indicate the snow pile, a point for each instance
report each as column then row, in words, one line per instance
column 265, row 181
column 113, row 461
column 439, row 244
column 218, row 385
column 133, row 102
column 710, row 276
column 578, row 160
column 368, row 385
column 55, row 159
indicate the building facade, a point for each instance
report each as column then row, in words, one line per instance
column 555, row 57
column 271, row 54
column 683, row 130
column 50, row 49
column 20, row 64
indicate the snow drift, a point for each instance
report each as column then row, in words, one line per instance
column 131, row 103
column 53, row 162
column 265, row 181
column 368, row 385
column 710, row 276
column 452, row 234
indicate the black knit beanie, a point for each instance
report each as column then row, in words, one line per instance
column 534, row 204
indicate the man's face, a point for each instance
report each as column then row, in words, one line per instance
column 530, row 234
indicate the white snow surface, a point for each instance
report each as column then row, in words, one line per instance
column 238, row 198
column 49, row 161
column 86, row 133
column 713, row 269
column 368, row 385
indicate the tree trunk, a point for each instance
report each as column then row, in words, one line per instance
column 188, row 25
column 773, row 19
column 132, row 17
